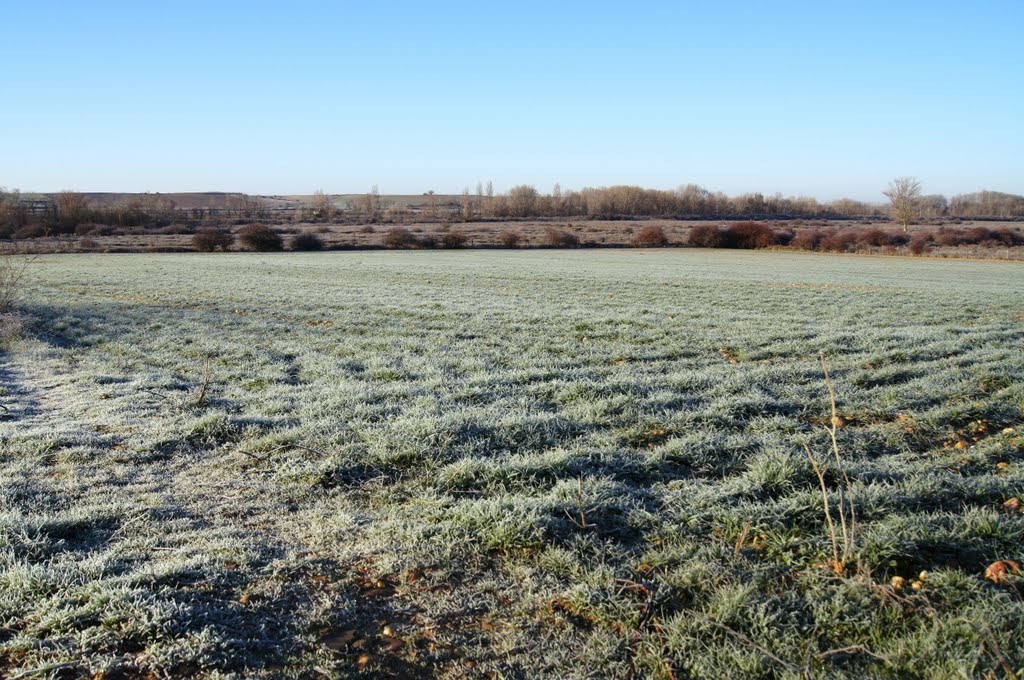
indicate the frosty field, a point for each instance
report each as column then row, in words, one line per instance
column 511, row 465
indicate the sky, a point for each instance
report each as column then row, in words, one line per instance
column 824, row 99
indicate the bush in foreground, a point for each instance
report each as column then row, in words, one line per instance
column 209, row 240
column 260, row 238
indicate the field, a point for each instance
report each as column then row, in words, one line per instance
column 513, row 464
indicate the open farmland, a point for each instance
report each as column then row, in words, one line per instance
column 512, row 464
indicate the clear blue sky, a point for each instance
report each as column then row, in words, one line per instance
column 818, row 98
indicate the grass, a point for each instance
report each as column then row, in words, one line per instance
column 526, row 464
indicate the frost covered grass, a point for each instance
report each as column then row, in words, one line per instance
column 523, row 464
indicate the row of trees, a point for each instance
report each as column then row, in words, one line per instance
column 906, row 203
column 63, row 213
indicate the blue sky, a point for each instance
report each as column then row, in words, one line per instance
column 826, row 99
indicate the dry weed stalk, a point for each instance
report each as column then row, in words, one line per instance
column 842, row 550
column 582, row 522
column 201, row 397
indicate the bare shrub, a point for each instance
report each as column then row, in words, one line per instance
column 399, row 237
column 13, row 267
column 209, row 239
column 783, row 237
column 807, row 239
column 509, row 239
column 839, row 241
column 30, row 231
column 560, row 238
column 307, row 241
column 453, row 239
column 651, row 236
column 920, row 244
column 706, row 236
column 260, row 238
column 873, row 237
column 749, row 235
column 367, row 229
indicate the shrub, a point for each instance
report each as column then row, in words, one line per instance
column 509, row 239
column 31, row 231
column 209, row 239
column 650, row 236
column 260, row 238
column 307, row 241
column 807, row 239
column 1009, row 237
column 838, row 241
column 367, row 229
column 873, row 237
column 454, row 239
column 920, row 244
column 977, row 235
column 749, row 235
column 949, row 237
column 12, row 275
column 706, row 236
column 399, row 237
column 783, row 237
column 561, row 238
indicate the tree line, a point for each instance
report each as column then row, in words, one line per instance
column 71, row 212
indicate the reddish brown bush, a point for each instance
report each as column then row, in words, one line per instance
column 920, row 244
column 749, row 235
column 977, row 235
column 651, row 236
column 873, row 237
column 307, row 241
column 838, row 241
column 561, row 238
column 706, row 236
column 807, row 239
column 509, row 239
column 209, row 240
column 949, row 237
column 260, row 238
column 783, row 237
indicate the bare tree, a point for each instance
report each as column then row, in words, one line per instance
column 323, row 206
column 71, row 207
column 904, row 194
column 522, row 199
column 8, row 205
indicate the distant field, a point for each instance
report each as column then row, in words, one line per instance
column 512, row 464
